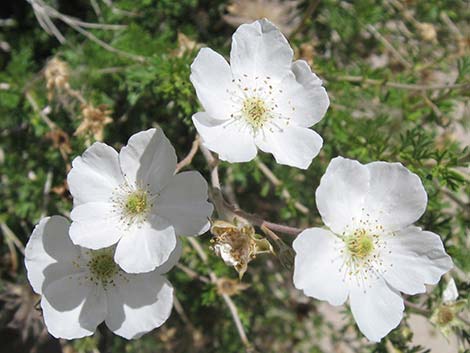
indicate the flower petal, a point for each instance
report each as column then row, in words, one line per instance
column 340, row 196
column 234, row 142
column 73, row 308
column 260, row 49
column 396, row 197
column 94, row 225
column 139, row 304
column 49, row 245
column 149, row 159
column 183, row 202
column 303, row 98
column 174, row 258
column 293, row 146
column 417, row 258
column 450, row 293
column 95, row 174
column 377, row 310
column 212, row 78
column 315, row 271
column 146, row 247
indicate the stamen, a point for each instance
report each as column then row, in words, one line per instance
column 132, row 204
column 102, row 267
column 255, row 112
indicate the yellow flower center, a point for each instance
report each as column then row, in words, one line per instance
column 102, row 266
column 360, row 245
column 255, row 111
column 136, row 203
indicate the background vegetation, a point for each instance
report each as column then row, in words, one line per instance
column 397, row 73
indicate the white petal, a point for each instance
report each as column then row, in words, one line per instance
column 450, row 293
column 149, row 159
column 233, row 142
column 94, row 225
column 378, row 310
column 139, row 305
column 293, row 146
column 417, row 258
column 225, row 252
column 73, row 308
column 212, row 78
column 340, row 196
column 183, row 202
column 260, row 49
column 49, row 252
column 95, row 174
column 146, row 246
column 305, row 94
column 174, row 258
column 396, row 197
column 316, row 272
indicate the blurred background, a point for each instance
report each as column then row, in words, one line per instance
column 77, row 71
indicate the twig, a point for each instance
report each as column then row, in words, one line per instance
column 119, row 11
column 44, row 12
column 228, row 301
column 434, row 108
column 179, row 309
column 226, row 210
column 312, row 6
column 454, row 29
column 189, row 157
column 276, row 182
column 389, row 46
column 407, row 86
column 258, row 221
column 46, row 193
column 417, row 308
column 52, row 126
column 49, row 11
column 106, row 46
column 8, row 233
column 41, row 114
column 96, row 8
column 192, row 274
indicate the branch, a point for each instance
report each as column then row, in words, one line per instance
column 388, row 45
column 276, row 182
column 189, row 157
column 258, row 221
column 307, row 14
column 44, row 13
column 407, row 86
column 9, row 235
column 228, row 211
column 192, row 274
column 417, row 308
column 228, row 301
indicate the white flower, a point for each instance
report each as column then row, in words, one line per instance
column 262, row 99
column 370, row 251
column 81, row 288
column 134, row 199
